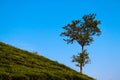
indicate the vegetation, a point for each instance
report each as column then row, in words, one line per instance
column 81, row 59
column 82, row 31
column 17, row 64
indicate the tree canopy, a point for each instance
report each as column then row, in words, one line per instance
column 82, row 30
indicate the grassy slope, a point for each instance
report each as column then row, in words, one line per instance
column 17, row 64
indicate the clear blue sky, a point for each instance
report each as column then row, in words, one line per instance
column 35, row 25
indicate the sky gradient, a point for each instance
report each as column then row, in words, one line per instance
column 35, row 25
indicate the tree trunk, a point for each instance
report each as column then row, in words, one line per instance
column 80, row 68
column 81, row 63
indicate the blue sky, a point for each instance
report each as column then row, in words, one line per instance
column 35, row 25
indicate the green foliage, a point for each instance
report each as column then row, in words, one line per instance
column 17, row 64
column 81, row 58
column 82, row 30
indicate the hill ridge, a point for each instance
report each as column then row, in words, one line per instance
column 18, row 64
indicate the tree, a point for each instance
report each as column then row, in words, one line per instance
column 82, row 31
column 81, row 59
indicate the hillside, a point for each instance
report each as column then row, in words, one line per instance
column 17, row 64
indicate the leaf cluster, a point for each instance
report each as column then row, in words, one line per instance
column 81, row 58
column 82, row 30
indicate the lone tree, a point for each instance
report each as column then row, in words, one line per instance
column 82, row 31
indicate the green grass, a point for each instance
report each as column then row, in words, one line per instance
column 17, row 64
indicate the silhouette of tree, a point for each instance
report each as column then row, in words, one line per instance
column 82, row 31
